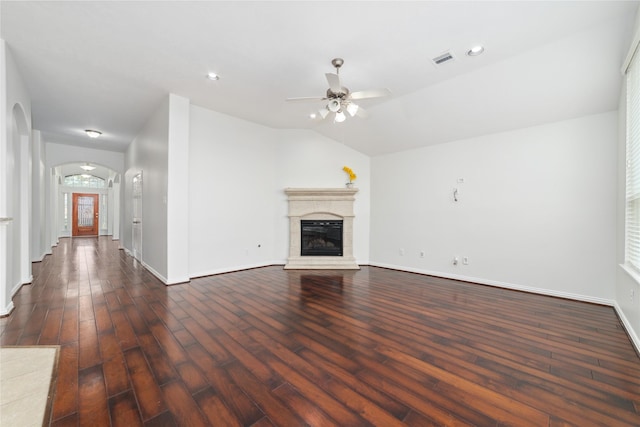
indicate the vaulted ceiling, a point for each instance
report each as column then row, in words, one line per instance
column 107, row 65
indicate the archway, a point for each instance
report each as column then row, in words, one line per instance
column 86, row 178
column 16, row 207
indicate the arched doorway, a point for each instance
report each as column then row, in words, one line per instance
column 15, row 262
column 76, row 184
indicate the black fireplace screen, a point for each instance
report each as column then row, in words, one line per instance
column 321, row 238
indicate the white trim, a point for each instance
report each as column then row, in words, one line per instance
column 632, row 273
column 632, row 51
column 635, row 340
column 633, row 46
column 16, row 288
column 154, row 272
column 7, row 310
column 40, row 258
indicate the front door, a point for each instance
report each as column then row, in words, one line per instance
column 85, row 214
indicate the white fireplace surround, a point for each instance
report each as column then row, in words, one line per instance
column 321, row 204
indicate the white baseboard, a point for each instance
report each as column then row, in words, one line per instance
column 154, row 272
column 16, row 288
column 627, row 326
column 5, row 311
column 40, row 258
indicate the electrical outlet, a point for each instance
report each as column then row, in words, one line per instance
column 401, row 252
column 455, row 260
column 465, row 260
column 421, row 254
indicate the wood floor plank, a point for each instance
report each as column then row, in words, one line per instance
column 124, row 410
column 147, row 391
column 181, row 404
column 92, row 397
column 215, row 410
column 273, row 347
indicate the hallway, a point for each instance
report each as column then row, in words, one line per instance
column 272, row 347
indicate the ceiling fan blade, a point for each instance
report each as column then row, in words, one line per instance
column 334, row 82
column 306, row 99
column 323, row 113
column 352, row 109
column 371, row 93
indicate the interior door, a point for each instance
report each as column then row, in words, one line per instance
column 137, row 216
column 85, row 214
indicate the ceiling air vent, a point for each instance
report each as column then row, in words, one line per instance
column 441, row 59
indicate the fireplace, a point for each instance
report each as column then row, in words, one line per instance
column 321, row 229
column 320, row 238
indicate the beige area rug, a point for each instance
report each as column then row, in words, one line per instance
column 27, row 380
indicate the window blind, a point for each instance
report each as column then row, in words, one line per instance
column 632, row 255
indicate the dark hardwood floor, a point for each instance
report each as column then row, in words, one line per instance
column 268, row 347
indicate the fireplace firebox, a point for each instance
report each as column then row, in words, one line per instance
column 321, row 237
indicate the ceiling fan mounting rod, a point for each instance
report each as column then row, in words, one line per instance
column 337, row 62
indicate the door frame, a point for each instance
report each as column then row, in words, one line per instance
column 74, row 214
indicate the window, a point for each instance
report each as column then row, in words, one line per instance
column 103, row 212
column 632, row 229
column 84, row 180
column 65, row 218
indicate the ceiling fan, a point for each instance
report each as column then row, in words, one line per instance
column 340, row 99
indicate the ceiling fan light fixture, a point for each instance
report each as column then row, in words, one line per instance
column 352, row 109
column 93, row 133
column 340, row 117
column 333, row 106
column 323, row 113
column 87, row 167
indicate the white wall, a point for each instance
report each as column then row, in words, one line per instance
column 40, row 243
column 536, row 210
column 15, row 184
column 148, row 154
column 305, row 159
column 231, row 193
column 237, row 174
column 177, row 198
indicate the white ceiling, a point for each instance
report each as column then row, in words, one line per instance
column 107, row 65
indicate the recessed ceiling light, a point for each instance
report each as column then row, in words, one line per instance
column 213, row 76
column 87, row 167
column 93, row 133
column 312, row 115
column 475, row 51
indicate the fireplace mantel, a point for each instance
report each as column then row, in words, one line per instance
column 321, row 204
